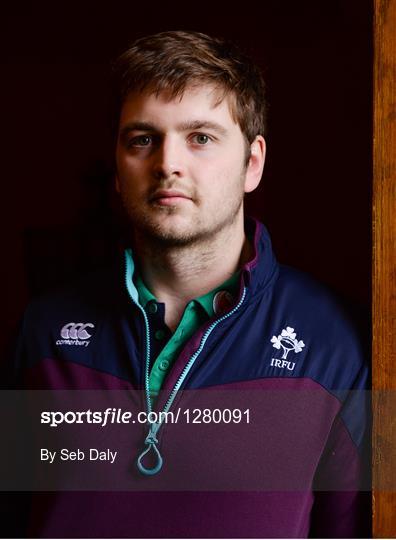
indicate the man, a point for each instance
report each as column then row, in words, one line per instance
column 201, row 318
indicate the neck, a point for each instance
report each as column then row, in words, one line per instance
column 178, row 274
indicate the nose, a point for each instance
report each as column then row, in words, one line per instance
column 168, row 159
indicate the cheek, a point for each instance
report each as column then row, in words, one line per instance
column 126, row 166
column 128, row 185
column 130, row 174
column 226, row 179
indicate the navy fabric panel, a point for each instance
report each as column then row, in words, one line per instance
column 101, row 300
column 331, row 355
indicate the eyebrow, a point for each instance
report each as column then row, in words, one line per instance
column 184, row 126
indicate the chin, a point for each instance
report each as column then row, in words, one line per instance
column 177, row 229
column 169, row 231
column 173, row 236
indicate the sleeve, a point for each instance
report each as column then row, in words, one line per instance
column 342, row 496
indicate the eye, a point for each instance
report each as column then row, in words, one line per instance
column 140, row 140
column 201, row 138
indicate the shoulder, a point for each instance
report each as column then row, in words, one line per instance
column 334, row 331
column 317, row 302
column 83, row 298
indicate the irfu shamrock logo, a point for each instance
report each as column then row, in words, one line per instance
column 287, row 341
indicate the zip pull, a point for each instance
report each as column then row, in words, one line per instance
column 151, row 443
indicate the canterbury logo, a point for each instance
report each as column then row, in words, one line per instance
column 76, row 330
column 75, row 334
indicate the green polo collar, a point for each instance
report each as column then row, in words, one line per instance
column 206, row 300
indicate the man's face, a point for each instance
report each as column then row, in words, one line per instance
column 180, row 165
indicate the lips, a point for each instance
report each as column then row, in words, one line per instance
column 168, row 194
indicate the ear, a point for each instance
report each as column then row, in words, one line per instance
column 255, row 166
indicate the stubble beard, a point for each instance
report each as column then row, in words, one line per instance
column 201, row 230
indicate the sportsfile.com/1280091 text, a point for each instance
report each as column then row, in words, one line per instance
column 118, row 416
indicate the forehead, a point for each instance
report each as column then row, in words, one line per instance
column 204, row 102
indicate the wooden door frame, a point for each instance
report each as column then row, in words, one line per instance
column 384, row 270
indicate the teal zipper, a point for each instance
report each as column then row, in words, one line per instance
column 151, row 440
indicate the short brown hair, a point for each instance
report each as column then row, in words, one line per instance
column 169, row 61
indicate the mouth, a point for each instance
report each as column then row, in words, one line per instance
column 169, row 197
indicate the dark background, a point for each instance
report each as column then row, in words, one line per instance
column 56, row 204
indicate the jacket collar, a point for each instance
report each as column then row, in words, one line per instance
column 262, row 269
